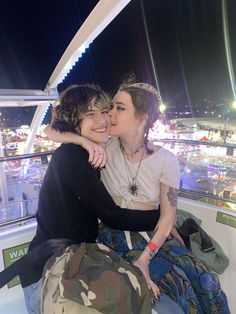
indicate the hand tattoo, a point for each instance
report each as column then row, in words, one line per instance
column 172, row 196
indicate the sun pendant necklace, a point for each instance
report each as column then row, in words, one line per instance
column 133, row 186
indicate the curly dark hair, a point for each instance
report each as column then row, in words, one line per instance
column 73, row 103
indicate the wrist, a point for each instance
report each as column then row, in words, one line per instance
column 80, row 140
column 145, row 257
column 153, row 246
column 151, row 249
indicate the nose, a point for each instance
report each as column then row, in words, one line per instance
column 102, row 118
column 111, row 112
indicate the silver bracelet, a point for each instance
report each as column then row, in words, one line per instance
column 150, row 251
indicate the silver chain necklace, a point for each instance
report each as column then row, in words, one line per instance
column 133, row 186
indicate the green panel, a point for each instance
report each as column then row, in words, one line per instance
column 12, row 254
column 226, row 219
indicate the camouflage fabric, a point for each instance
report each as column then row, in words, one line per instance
column 95, row 277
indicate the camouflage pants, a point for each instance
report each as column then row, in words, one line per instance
column 176, row 271
column 91, row 278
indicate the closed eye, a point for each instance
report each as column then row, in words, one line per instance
column 120, row 108
column 89, row 114
column 105, row 111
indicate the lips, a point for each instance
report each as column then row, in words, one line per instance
column 100, row 129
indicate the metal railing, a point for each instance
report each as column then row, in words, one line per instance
column 198, row 180
column 199, row 195
column 21, row 178
column 192, row 142
column 26, row 156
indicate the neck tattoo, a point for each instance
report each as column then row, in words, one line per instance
column 133, row 186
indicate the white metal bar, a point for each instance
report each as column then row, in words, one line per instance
column 35, row 124
column 3, row 179
column 26, row 97
column 104, row 12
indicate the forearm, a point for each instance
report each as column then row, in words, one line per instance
column 97, row 155
column 85, row 184
column 162, row 230
column 65, row 137
column 167, row 218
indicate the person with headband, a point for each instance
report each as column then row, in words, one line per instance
column 139, row 175
column 72, row 197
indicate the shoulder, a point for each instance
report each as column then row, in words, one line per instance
column 66, row 148
column 161, row 152
column 112, row 144
column 168, row 154
column 72, row 160
column 170, row 161
column 69, row 152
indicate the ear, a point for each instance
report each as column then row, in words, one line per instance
column 143, row 119
column 78, row 129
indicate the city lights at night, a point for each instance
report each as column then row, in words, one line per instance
column 183, row 52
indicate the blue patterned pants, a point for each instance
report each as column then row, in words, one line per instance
column 176, row 271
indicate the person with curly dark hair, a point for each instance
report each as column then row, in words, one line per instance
column 72, row 197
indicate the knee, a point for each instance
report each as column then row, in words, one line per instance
column 209, row 282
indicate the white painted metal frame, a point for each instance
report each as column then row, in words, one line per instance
column 104, row 12
column 26, row 97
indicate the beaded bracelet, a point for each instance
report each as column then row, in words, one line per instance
column 151, row 248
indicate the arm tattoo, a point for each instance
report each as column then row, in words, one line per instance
column 172, row 196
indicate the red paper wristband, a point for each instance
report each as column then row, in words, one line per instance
column 152, row 246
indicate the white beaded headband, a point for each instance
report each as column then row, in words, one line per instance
column 146, row 87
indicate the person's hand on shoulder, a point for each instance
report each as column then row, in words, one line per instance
column 97, row 154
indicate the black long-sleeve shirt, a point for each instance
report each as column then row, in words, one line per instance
column 71, row 200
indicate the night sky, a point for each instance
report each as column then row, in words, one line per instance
column 186, row 38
